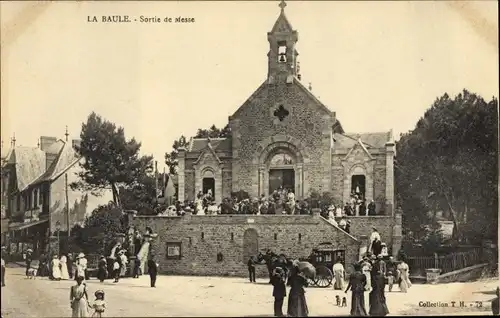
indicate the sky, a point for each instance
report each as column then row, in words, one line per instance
column 378, row 65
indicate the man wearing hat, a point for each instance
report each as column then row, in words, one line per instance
column 279, row 290
column 152, row 270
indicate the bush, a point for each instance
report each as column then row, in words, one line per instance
column 322, row 201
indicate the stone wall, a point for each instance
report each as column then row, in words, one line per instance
column 362, row 226
column 379, row 183
column 203, row 237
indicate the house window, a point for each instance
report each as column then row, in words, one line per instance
column 35, row 198
column 282, row 51
column 174, row 250
column 40, row 198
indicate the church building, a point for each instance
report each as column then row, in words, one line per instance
column 284, row 136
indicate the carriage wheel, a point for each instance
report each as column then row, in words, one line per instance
column 324, row 277
column 311, row 281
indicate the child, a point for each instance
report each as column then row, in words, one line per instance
column 116, row 271
column 99, row 304
column 279, row 291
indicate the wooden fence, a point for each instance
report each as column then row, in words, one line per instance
column 447, row 263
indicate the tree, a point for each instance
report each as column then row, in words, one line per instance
column 109, row 159
column 100, row 229
column 213, row 132
column 449, row 162
column 141, row 195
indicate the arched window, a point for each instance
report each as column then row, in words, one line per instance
column 282, row 159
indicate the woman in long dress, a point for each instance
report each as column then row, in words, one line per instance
column 79, row 299
column 64, row 268
column 357, row 282
column 378, row 305
column 366, row 267
column 102, row 271
column 56, row 270
column 297, row 305
column 123, row 263
column 404, row 276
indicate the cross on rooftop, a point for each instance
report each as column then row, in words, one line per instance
column 282, row 5
column 66, row 133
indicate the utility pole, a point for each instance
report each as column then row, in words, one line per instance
column 67, row 205
column 156, row 182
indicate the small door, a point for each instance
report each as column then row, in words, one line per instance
column 284, row 178
column 209, row 184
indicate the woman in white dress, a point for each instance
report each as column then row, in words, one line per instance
column 64, row 268
column 404, row 276
column 56, row 270
column 199, row 207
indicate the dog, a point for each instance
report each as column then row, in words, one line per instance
column 337, row 299
column 32, row 273
column 344, row 302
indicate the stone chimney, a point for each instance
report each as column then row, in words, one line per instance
column 46, row 142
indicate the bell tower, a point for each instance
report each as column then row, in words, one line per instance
column 282, row 56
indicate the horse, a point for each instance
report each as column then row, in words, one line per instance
column 272, row 261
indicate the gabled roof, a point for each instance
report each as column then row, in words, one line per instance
column 66, row 158
column 218, row 144
column 360, row 143
column 296, row 82
column 370, row 140
column 30, row 165
column 208, row 149
column 55, row 148
column 310, row 94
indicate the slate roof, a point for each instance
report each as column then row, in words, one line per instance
column 218, row 144
column 55, row 148
column 66, row 157
column 30, row 165
column 282, row 24
column 370, row 140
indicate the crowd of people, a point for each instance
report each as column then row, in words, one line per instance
column 281, row 201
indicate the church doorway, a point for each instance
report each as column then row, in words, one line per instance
column 208, row 184
column 358, row 185
column 284, row 178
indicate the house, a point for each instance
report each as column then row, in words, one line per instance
column 36, row 182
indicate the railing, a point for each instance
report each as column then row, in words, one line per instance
column 447, row 263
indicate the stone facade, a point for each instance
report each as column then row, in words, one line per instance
column 237, row 237
column 283, row 117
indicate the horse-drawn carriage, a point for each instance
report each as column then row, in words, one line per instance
column 323, row 257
